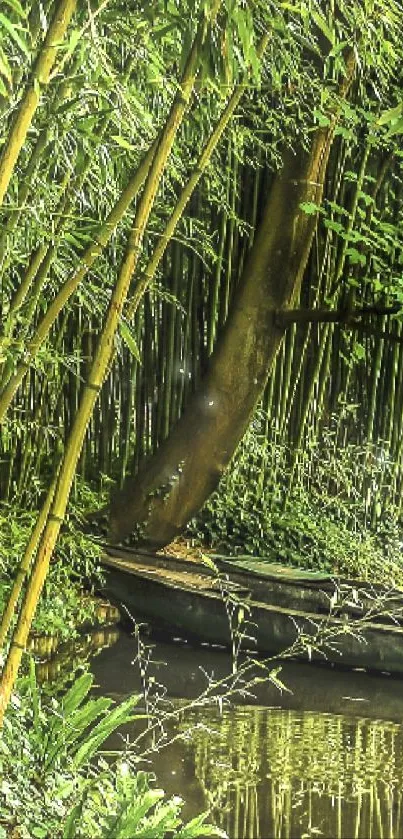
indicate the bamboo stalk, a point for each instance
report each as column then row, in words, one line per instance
column 64, row 208
column 34, row 263
column 170, row 361
column 64, row 11
column 88, row 258
column 329, row 317
column 99, row 368
column 322, row 287
column 226, row 285
column 34, row 278
column 217, row 281
column 24, row 567
column 373, row 389
column 24, row 190
column 194, row 179
column 176, row 408
column 353, row 213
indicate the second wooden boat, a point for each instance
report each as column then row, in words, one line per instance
column 261, row 607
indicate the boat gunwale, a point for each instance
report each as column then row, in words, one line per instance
column 327, row 583
column 119, row 564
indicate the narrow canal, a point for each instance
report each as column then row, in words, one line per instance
column 323, row 759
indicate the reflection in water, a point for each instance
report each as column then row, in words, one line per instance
column 59, row 668
column 272, row 773
column 283, row 772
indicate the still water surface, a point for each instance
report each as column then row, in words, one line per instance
column 325, row 760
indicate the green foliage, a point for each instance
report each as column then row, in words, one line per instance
column 55, row 783
column 106, row 103
column 108, row 99
column 62, row 609
column 317, row 520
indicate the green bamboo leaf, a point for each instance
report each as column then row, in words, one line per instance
column 124, row 144
column 321, row 118
column 309, row 208
column 186, row 46
column 291, row 7
column 307, row 44
column 74, row 39
column 40, row 832
column 198, row 827
column 359, row 351
column 77, row 693
column 391, row 115
column 119, row 716
column 338, row 48
column 355, row 257
column 230, row 63
column 396, row 128
column 323, row 26
column 73, row 821
column 69, row 237
column 14, row 34
column 334, row 225
column 130, row 341
column 126, row 825
column 245, row 35
column 16, row 6
column 5, row 68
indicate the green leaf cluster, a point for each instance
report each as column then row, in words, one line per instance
column 318, row 522
column 56, row 783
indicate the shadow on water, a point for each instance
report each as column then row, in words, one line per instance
column 325, row 760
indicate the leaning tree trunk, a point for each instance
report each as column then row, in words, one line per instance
column 175, row 482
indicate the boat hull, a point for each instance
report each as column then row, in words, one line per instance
column 195, row 608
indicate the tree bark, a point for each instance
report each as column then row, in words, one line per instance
column 175, row 482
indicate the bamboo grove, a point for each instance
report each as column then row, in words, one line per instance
column 137, row 148
column 173, row 336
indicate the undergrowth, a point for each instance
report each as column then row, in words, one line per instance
column 75, row 565
column 58, row 785
column 309, row 514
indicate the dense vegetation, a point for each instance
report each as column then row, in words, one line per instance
column 55, row 783
column 319, row 521
column 175, row 177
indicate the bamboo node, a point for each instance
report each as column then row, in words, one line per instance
column 54, row 517
column 92, row 386
column 21, row 572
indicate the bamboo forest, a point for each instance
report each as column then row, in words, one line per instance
column 201, row 419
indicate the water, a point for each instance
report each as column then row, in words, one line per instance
column 325, row 760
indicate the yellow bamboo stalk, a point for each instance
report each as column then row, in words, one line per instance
column 16, row 303
column 30, row 274
column 88, row 258
column 34, row 278
column 98, row 371
column 189, row 188
column 64, row 207
column 25, row 565
column 23, row 192
column 39, row 78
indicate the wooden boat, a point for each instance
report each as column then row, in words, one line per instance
column 261, row 607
